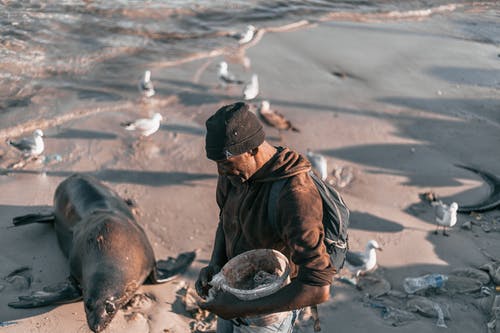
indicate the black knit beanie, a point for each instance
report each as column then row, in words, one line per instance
column 232, row 130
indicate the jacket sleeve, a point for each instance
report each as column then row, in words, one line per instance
column 300, row 215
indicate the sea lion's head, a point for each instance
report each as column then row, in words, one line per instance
column 100, row 313
column 104, row 299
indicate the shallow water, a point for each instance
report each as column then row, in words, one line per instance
column 58, row 55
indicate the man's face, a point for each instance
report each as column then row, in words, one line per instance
column 238, row 168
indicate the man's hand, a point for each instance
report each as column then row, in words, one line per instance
column 205, row 276
column 224, row 304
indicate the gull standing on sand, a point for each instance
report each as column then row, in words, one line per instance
column 446, row 216
column 359, row 262
column 146, row 126
column 319, row 163
column 275, row 119
column 226, row 77
column 31, row 146
column 245, row 37
column 251, row 90
column 146, row 86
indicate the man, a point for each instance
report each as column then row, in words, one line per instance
column 247, row 167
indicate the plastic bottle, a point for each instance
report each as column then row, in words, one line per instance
column 414, row 284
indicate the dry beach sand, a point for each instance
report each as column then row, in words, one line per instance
column 400, row 102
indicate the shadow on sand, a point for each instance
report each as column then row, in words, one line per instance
column 369, row 222
column 148, row 178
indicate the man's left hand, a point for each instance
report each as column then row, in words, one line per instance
column 224, row 304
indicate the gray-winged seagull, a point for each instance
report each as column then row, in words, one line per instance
column 246, row 36
column 225, row 76
column 446, row 216
column 362, row 262
column 145, row 126
column 251, row 90
column 31, row 146
column 318, row 162
column 146, row 86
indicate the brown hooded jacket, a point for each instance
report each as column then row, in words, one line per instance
column 244, row 217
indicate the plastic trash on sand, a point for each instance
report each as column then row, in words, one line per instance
column 396, row 317
column 413, row 284
column 440, row 322
column 427, row 307
column 494, row 322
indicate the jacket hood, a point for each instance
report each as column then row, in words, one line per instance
column 285, row 163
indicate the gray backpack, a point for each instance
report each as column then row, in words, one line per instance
column 335, row 217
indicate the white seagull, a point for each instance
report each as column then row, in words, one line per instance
column 446, row 216
column 319, row 163
column 245, row 37
column 251, row 90
column 31, row 146
column 360, row 263
column 146, row 126
column 226, row 77
column 146, row 86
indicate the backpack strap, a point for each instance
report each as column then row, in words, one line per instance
column 272, row 204
column 330, row 197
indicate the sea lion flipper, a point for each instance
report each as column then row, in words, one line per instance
column 166, row 270
column 33, row 218
column 66, row 292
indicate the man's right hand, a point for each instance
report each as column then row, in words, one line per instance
column 206, row 275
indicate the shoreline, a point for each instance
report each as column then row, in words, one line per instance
column 238, row 54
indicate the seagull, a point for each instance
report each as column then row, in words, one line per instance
column 274, row 118
column 446, row 216
column 30, row 147
column 245, row 37
column 226, row 77
column 146, row 86
column 251, row 90
column 360, row 263
column 319, row 163
column 146, row 126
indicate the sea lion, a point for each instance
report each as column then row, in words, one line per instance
column 492, row 201
column 109, row 253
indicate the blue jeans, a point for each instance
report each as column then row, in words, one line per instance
column 284, row 325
